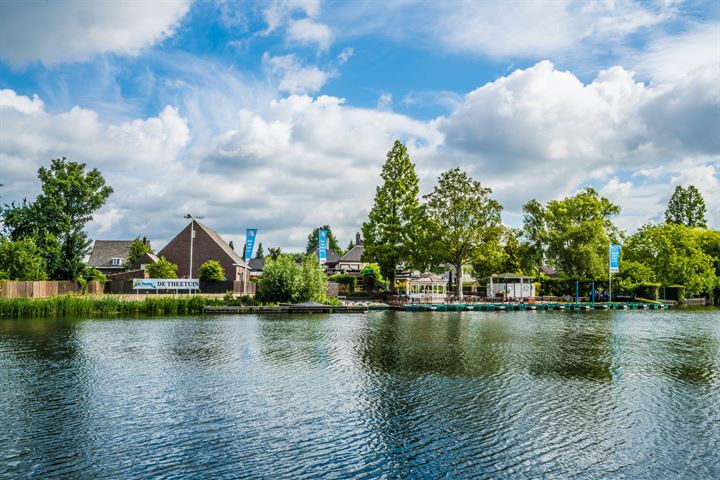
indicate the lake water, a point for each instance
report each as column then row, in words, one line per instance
column 621, row 394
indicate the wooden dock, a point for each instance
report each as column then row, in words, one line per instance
column 500, row 307
column 301, row 308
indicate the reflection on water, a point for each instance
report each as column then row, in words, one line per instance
column 387, row 394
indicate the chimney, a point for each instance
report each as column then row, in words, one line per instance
column 358, row 239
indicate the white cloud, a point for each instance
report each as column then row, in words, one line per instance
column 292, row 76
column 671, row 58
column 278, row 12
column 55, row 32
column 385, row 101
column 307, row 31
column 345, row 55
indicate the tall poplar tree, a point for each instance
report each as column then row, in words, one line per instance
column 462, row 222
column 389, row 232
column 686, row 207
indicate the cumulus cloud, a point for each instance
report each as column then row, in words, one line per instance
column 286, row 165
column 55, row 32
column 293, row 76
column 307, row 31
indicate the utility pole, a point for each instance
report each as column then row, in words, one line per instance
column 192, row 237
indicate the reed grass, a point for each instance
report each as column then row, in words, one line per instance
column 73, row 305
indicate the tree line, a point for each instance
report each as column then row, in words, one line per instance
column 459, row 224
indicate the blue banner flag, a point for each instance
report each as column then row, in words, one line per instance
column 322, row 246
column 615, row 257
column 250, row 234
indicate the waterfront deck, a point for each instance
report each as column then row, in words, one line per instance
column 499, row 307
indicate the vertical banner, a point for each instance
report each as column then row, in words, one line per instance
column 615, row 257
column 322, row 246
column 249, row 242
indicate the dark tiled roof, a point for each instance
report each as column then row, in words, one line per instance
column 105, row 250
column 256, row 263
column 146, row 258
column 332, row 257
column 222, row 244
column 354, row 255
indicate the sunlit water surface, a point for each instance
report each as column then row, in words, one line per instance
column 384, row 395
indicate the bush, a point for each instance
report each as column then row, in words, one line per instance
column 674, row 292
column 345, row 279
column 163, row 268
column 647, row 290
column 92, row 273
column 212, row 271
column 284, row 280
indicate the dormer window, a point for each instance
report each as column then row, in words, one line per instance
column 116, row 261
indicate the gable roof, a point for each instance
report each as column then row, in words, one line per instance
column 105, row 250
column 256, row 263
column 331, row 256
column 354, row 255
column 222, row 244
column 144, row 259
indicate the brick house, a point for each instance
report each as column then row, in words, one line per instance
column 206, row 245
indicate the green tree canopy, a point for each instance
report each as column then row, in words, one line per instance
column 572, row 234
column 283, row 280
column 21, row 260
column 212, row 270
column 314, row 238
column 511, row 263
column 391, row 229
column 274, row 252
column 57, row 218
column 686, row 207
column 462, row 222
column 138, row 248
column 675, row 255
column 163, row 268
column 259, row 253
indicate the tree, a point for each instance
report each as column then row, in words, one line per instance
column 392, row 226
column 21, row 260
column 163, row 268
column 533, row 238
column 314, row 238
column 674, row 253
column 350, row 246
column 274, row 253
column 686, row 207
column 212, row 270
column 511, row 249
column 259, row 253
column 462, row 221
column 573, row 233
column 284, row 280
column 138, row 248
column 69, row 197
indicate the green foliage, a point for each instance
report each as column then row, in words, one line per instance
column 259, row 253
column 274, row 253
column 674, row 292
column 284, row 280
column 533, row 238
column 93, row 274
column 212, row 270
column 138, row 248
column 648, row 291
column 573, row 234
column 373, row 269
column 344, row 279
column 674, row 253
column 511, row 249
column 631, row 275
column 21, row 260
column 163, row 268
column 57, row 218
column 686, row 207
column 558, row 287
column 392, row 227
column 314, row 238
column 462, row 222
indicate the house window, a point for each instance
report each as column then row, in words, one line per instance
column 116, row 262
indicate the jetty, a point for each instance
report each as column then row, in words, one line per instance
column 500, row 307
column 310, row 307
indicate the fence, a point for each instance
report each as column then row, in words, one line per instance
column 45, row 288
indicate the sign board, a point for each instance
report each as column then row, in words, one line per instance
column 250, row 235
column 615, row 257
column 322, row 246
column 166, row 284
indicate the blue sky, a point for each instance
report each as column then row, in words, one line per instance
column 278, row 114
